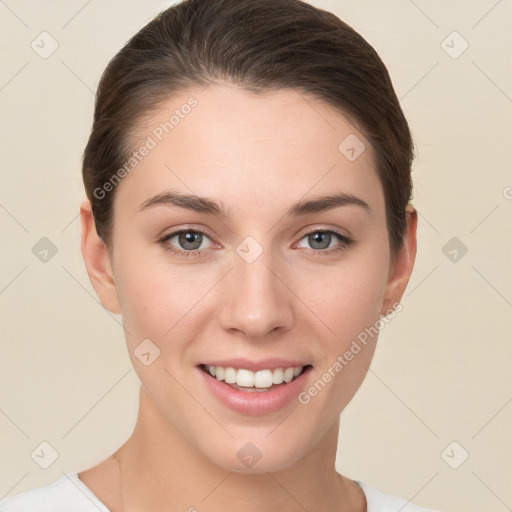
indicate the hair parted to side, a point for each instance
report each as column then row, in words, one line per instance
column 260, row 45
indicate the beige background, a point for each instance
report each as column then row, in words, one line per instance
column 441, row 372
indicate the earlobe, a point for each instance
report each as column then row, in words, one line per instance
column 402, row 266
column 97, row 261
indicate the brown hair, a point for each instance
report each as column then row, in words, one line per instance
column 259, row 45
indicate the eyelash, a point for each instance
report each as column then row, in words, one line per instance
column 345, row 243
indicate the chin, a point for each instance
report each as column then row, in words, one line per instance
column 248, row 457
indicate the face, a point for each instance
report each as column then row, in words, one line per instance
column 255, row 284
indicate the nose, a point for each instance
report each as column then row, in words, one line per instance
column 257, row 301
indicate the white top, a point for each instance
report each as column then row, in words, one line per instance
column 70, row 494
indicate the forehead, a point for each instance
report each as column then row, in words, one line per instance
column 226, row 142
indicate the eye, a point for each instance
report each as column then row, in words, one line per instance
column 189, row 242
column 320, row 240
column 189, row 239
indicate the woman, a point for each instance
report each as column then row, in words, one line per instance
column 248, row 178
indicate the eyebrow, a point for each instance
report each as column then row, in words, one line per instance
column 210, row 207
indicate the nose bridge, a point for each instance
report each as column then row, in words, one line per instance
column 258, row 300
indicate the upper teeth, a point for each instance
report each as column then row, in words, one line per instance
column 259, row 379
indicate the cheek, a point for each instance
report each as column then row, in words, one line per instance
column 158, row 304
column 159, row 299
column 347, row 299
column 350, row 306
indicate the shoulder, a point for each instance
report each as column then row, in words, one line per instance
column 380, row 502
column 65, row 494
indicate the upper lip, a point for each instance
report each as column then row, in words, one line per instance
column 263, row 364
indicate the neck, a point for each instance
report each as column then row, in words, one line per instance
column 161, row 470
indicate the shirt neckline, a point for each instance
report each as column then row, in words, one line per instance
column 74, row 476
column 88, row 492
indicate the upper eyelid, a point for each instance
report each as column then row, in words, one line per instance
column 337, row 231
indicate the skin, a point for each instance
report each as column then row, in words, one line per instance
column 257, row 154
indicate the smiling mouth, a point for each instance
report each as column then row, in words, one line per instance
column 249, row 381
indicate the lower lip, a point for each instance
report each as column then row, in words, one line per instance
column 255, row 402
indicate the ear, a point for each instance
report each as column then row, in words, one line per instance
column 401, row 267
column 97, row 261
